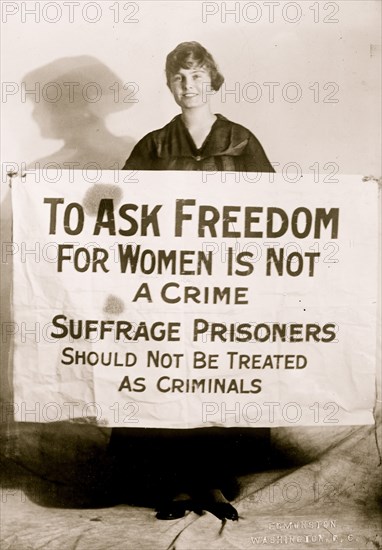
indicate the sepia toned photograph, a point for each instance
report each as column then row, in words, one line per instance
column 190, row 275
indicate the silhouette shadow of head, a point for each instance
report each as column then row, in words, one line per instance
column 73, row 96
column 66, row 463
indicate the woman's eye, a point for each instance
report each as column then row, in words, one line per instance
column 176, row 78
column 197, row 76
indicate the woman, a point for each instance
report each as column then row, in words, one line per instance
column 197, row 139
column 201, row 462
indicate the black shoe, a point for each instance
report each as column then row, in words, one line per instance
column 173, row 510
column 214, row 501
column 222, row 510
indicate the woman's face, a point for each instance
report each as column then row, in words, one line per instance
column 190, row 87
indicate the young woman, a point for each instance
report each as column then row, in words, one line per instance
column 194, row 469
column 197, row 139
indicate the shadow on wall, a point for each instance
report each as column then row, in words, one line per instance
column 76, row 94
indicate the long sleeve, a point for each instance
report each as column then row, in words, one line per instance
column 255, row 159
column 142, row 156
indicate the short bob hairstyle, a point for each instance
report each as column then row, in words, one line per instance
column 189, row 55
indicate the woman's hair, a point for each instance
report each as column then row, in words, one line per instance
column 188, row 55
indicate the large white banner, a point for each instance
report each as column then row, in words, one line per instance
column 181, row 300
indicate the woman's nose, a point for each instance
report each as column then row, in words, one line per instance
column 187, row 82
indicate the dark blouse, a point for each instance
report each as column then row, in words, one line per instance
column 228, row 147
